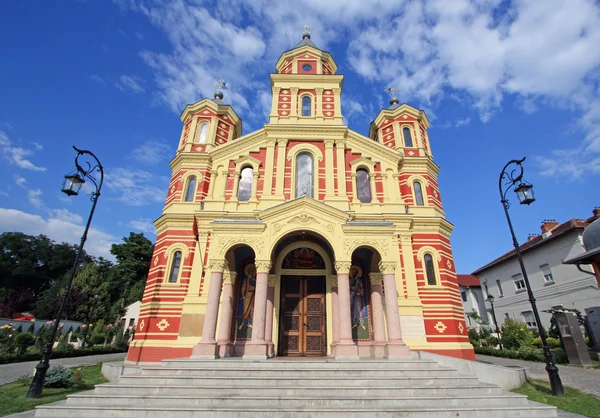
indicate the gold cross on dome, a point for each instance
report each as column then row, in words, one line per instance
column 392, row 92
column 306, row 29
column 221, row 84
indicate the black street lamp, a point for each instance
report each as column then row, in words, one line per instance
column 514, row 179
column 490, row 299
column 71, row 186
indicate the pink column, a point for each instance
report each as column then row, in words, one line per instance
column 269, row 316
column 257, row 347
column 378, row 319
column 225, row 348
column 396, row 347
column 335, row 315
column 207, row 347
column 345, row 347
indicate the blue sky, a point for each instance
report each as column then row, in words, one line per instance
column 498, row 79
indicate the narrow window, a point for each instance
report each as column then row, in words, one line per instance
column 548, row 278
column 306, row 106
column 499, row 286
column 202, row 133
column 245, row 186
column 418, row 193
column 190, row 190
column 528, row 318
column 519, row 282
column 175, row 267
column 407, row 137
column 429, row 270
column 363, row 187
column 463, row 295
column 304, row 175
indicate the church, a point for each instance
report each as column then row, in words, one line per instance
column 303, row 238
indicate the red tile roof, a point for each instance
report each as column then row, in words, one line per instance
column 468, row 280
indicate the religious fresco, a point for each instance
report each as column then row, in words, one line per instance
column 359, row 303
column 245, row 302
column 303, row 258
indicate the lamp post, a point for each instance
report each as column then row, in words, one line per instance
column 490, row 299
column 514, row 179
column 71, row 186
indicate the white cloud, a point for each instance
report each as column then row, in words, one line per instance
column 136, row 187
column 3, row 193
column 38, row 147
column 131, row 84
column 19, row 181
column 16, row 155
column 60, row 230
column 65, row 215
column 144, row 225
column 152, row 152
column 97, row 79
column 33, row 195
column 462, row 122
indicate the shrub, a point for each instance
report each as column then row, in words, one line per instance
column 515, row 334
column 34, row 353
column 526, row 353
column 31, row 328
column 553, row 342
column 19, row 329
column 537, row 342
column 7, row 335
column 97, row 339
column 24, row 340
column 59, row 377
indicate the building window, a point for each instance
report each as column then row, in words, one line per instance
column 463, row 295
column 519, row 282
column 306, row 105
column 485, row 290
column 304, row 175
column 190, row 190
column 528, row 319
column 131, row 322
column 202, row 133
column 429, row 270
column 418, row 193
column 245, row 185
column 176, row 264
column 363, row 186
column 499, row 287
column 547, row 273
column 407, row 137
column 506, row 316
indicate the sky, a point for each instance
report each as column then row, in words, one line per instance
column 498, row 79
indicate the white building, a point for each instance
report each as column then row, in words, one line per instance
column 132, row 313
column 472, row 298
column 553, row 283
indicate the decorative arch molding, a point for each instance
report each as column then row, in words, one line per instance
column 418, row 177
column 185, row 250
column 427, row 249
column 247, row 161
column 184, row 178
column 424, row 185
column 412, row 132
column 281, row 233
column 225, row 244
column 298, row 148
column 363, row 162
column 381, row 246
column 313, row 246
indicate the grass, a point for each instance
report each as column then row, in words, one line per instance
column 13, row 400
column 574, row 400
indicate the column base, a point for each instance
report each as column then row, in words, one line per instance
column 380, row 350
column 346, row 351
column 397, row 350
column 256, row 351
column 205, row 351
column 224, row 349
column 270, row 349
column 333, row 346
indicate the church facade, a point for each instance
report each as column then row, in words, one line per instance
column 303, row 238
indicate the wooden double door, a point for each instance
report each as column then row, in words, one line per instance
column 302, row 321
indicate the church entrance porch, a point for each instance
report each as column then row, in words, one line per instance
column 303, row 318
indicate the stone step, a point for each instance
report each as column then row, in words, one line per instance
column 296, row 390
column 257, row 401
column 301, row 362
column 292, row 372
column 530, row 410
column 339, row 381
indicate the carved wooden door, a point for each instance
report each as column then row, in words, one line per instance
column 302, row 319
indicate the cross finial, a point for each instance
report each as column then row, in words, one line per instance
column 306, row 33
column 393, row 97
column 219, row 86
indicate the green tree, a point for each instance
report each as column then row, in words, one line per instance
column 515, row 334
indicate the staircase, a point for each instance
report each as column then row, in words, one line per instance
column 239, row 388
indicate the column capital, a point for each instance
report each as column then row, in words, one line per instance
column 272, row 280
column 387, row 267
column 216, row 266
column 276, row 90
column 225, row 173
column 329, row 143
column 405, row 237
column 376, row 278
column 262, row 266
column 271, row 143
column 343, row 267
column 294, row 90
column 340, row 143
column 282, row 142
column 229, row 277
column 319, row 90
column 337, row 92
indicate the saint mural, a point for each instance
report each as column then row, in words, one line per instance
column 245, row 306
column 359, row 304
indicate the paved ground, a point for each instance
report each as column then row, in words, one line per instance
column 11, row 372
column 586, row 380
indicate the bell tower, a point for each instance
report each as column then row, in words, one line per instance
column 306, row 89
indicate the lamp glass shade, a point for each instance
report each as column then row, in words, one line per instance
column 490, row 299
column 72, row 184
column 525, row 193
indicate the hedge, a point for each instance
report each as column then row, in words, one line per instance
column 529, row 354
column 88, row 351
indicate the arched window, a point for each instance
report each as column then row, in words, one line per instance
column 306, row 106
column 363, row 186
column 176, row 264
column 407, row 137
column 190, row 189
column 429, row 270
column 304, row 175
column 418, row 193
column 245, row 186
column 202, row 133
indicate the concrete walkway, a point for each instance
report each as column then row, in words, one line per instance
column 11, row 372
column 586, row 380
